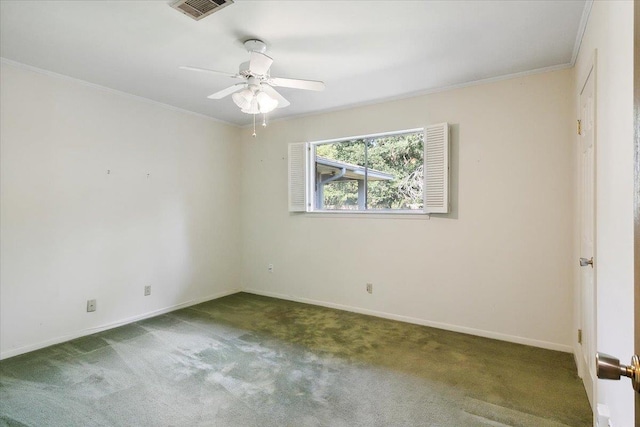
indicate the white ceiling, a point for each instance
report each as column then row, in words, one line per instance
column 365, row 51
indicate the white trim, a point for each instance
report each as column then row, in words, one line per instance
column 132, row 319
column 110, row 90
column 367, row 136
column 420, row 93
column 390, row 214
column 591, row 69
column 448, row 327
column 582, row 27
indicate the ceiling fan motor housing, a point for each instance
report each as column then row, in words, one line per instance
column 255, row 45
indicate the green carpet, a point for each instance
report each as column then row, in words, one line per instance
column 246, row 360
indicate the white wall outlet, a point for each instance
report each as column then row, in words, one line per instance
column 370, row 288
column 147, row 290
column 91, row 305
column 270, row 268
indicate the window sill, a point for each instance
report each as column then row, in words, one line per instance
column 370, row 214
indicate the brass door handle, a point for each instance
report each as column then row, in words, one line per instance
column 609, row 368
column 584, row 262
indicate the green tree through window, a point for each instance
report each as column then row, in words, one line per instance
column 387, row 170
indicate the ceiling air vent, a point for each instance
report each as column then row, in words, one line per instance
column 198, row 9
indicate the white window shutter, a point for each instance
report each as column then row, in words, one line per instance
column 298, row 177
column 436, row 163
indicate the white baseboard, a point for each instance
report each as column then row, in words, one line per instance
column 32, row 347
column 385, row 315
column 423, row 322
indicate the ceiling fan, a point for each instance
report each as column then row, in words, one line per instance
column 256, row 94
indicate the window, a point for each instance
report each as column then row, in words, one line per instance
column 404, row 171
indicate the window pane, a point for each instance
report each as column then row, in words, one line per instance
column 341, row 195
column 340, row 175
column 400, row 156
column 377, row 173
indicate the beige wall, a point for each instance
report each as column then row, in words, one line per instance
column 500, row 265
column 71, row 232
column 610, row 32
column 213, row 213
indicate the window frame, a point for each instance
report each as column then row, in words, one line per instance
column 436, row 164
column 311, row 177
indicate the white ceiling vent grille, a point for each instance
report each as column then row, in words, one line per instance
column 198, row 9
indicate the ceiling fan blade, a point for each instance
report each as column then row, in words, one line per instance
column 206, row 70
column 259, row 63
column 228, row 91
column 297, row 83
column 282, row 102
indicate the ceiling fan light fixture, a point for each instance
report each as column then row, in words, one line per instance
column 243, row 98
column 252, row 109
column 257, row 102
column 266, row 103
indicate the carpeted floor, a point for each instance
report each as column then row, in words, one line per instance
column 246, row 360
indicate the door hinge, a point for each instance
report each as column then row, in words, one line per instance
column 579, row 127
column 579, row 336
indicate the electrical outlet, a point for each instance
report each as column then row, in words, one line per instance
column 370, row 288
column 270, row 268
column 91, row 305
column 147, row 290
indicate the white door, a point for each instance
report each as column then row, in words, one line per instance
column 587, row 237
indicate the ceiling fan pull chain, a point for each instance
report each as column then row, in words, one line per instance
column 254, row 126
column 264, row 120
